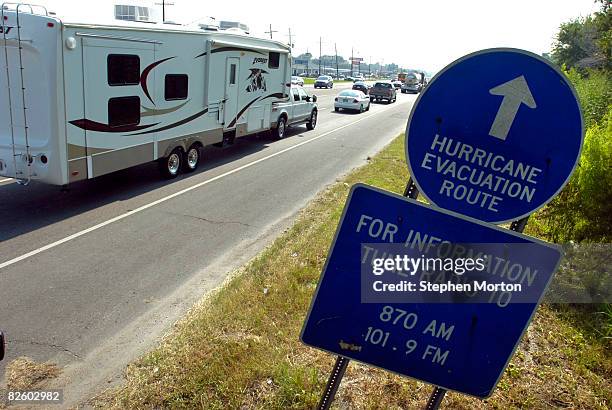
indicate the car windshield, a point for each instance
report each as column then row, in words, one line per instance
column 323, row 77
column 349, row 93
column 361, row 83
column 383, row 85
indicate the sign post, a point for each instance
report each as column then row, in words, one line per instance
column 494, row 136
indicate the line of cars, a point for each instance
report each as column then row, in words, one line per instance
column 361, row 96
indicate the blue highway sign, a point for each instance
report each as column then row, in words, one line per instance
column 495, row 135
column 464, row 346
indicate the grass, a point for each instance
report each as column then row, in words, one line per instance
column 240, row 349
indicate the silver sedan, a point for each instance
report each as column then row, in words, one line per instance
column 296, row 80
column 352, row 100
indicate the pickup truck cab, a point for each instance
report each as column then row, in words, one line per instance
column 383, row 90
column 300, row 108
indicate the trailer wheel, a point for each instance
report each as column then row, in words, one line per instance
column 192, row 158
column 310, row 125
column 170, row 166
column 281, row 127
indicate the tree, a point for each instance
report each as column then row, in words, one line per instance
column 585, row 42
column 576, row 45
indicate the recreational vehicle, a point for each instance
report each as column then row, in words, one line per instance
column 82, row 100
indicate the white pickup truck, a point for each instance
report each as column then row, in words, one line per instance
column 300, row 108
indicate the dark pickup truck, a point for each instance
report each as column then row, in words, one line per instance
column 383, row 91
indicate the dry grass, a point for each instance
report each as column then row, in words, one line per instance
column 24, row 373
column 241, row 350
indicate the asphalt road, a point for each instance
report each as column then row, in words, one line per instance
column 93, row 277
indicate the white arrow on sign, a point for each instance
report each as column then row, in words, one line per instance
column 515, row 93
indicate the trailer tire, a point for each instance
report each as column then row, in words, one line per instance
column 171, row 165
column 281, row 128
column 310, row 125
column 191, row 160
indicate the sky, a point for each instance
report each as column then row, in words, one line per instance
column 414, row 34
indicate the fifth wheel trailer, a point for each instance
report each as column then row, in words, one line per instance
column 84, row 100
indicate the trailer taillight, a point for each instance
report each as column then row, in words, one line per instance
column 50, row 25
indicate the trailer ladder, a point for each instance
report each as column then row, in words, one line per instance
column 27, row 157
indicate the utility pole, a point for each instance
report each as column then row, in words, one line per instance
column 271, row 31
column 164, row 3
column 290, row 38
column 336, row 51
column 320, row 48
column 352, row 61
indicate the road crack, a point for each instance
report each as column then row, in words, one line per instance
column 214, row 222
column 51, row 345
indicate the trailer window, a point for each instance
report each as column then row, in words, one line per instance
column 177, row 86
column 123, row 69
column 123, row 111
column 232, row 79
column 273, row 60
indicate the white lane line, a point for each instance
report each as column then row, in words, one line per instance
column 6, row 180
column 184, row 191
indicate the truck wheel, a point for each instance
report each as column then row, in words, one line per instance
column 368, row 107
column 279, row 131
column 310, row 125
column 336, row 109
column 361, row 109
column 170, row 166
column 192, row 158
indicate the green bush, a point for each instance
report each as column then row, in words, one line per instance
column 594, row 89
column 583, row 210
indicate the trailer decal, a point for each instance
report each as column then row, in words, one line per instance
column 257, row 80
column 276, row 95
column 222, row 49
column 145, row 74
column 90, row 125
column 176, row 124
column 231, row 124
column 152, row 111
